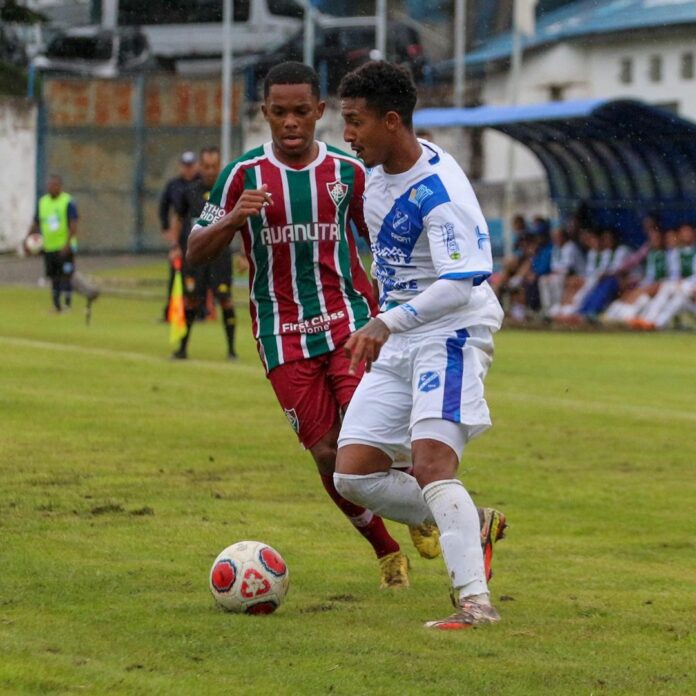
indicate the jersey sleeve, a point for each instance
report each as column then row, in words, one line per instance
column 163, row 208
column 459, row 241
column 355, row 209
column 72, row 211
column 181, row 201
column 223, row 197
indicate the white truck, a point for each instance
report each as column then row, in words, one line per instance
column 194, row 28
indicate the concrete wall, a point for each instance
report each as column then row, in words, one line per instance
column 17, row 169
column 116, row 142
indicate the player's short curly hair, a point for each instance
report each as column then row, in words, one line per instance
column 384, row 87
column 291, row 73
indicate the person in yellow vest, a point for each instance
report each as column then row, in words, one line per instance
column 56, row 220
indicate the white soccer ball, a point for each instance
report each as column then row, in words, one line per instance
column 249, row 577
column 33, row 243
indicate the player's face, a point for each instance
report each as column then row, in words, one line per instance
column 292, row 112
column 210, row 168
column 188, row 171
column 367, row 133
column 53, row 186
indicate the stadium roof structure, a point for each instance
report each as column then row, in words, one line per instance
column 622, row 158
column 587, row 18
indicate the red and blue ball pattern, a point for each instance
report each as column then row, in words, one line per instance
column 223, row 576
column 272, row 562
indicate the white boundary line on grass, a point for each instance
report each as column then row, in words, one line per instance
column 578, row 405
column 121, row 354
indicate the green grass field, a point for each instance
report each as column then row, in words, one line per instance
column 122, row 475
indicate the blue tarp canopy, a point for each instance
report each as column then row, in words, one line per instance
column 622, row 158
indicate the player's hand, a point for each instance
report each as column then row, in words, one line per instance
column 175, row 254
column 241, row 265
column 65, row 250
column 249, row 203
column 365, row 344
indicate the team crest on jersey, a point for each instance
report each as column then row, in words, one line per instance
column 428, row 381
column 337, row 191
column 294, row 421
column 401, row 222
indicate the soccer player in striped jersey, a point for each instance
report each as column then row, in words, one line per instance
column 428, row 352
column 294, row 201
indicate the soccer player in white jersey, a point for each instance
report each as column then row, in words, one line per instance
column 427, row 353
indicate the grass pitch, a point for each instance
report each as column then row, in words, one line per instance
column 122, row 475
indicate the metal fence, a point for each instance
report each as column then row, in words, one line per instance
column 116, row 143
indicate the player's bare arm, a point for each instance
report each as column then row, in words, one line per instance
column 205, row 243
column 366, row 343
column 172, row 236
column 72, row 238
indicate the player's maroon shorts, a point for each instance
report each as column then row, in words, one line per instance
column 313, row 391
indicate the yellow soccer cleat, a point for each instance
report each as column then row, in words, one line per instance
column 426, row 539
column 493, row 525
column 393, row 569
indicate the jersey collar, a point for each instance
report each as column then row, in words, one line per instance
column 321, row 155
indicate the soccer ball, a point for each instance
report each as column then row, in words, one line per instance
column 249, row 577
column 33, row 243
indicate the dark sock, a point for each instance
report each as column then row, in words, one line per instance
column 190, row 315
column 55, row 293
column 229, row 321
column 366, row 522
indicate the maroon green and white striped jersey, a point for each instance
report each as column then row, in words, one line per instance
column 307, row 288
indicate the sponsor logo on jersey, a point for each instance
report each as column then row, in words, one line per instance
column 450, row 241
column 312, row 232
column 428, row 381
column 482, row 237
column 294, row 421
column 386, row 277
column 315, row 325
column 211, row 213
column 418, row 195
column 337, row 191
column 393, row 254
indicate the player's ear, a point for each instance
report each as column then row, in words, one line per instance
column 392, row 120
column 320, row 109
column 264, row 111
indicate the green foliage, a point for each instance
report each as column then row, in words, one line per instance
column 124, row 474
column 13, row 80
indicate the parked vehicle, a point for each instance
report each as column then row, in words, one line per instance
column 338, row 50
column 192, row 29
column 96, row 52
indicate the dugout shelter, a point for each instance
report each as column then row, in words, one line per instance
column 621, row 158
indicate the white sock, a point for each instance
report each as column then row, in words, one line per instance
column 391, row 494
column 460, row 539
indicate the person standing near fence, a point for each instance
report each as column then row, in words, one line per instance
column 56, row 221
column 188, row 204
column 188, row 171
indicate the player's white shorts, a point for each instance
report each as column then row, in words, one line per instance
column 422, row 378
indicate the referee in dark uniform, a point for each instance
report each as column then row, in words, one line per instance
column 188, row 172
column 188, row 204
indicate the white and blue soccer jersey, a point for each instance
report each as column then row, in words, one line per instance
column 426, row 224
